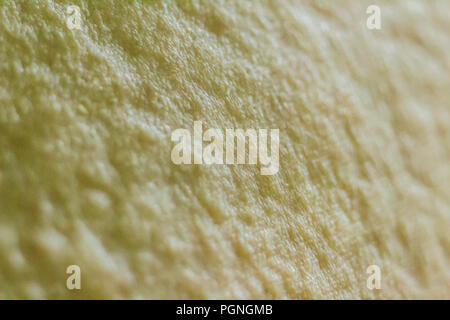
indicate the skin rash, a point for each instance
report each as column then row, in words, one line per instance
column 86, row 176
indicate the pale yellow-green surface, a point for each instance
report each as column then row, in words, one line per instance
column 85, row 170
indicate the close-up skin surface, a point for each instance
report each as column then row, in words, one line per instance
column 86, row 176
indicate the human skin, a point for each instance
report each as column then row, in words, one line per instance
column 86, row 176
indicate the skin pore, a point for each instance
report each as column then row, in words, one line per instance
column 86, row 176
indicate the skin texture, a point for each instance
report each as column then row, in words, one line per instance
column 86, row 178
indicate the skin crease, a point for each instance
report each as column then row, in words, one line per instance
column 85, row 170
